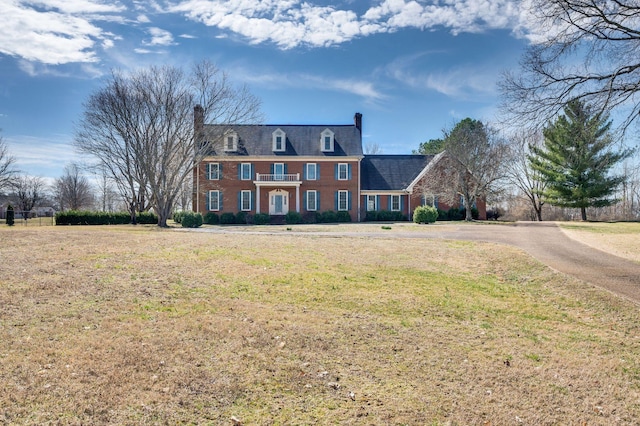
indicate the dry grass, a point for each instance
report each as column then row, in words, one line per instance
column 620, row 238
column 144, row 326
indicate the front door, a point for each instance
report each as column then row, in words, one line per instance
column 278, row 202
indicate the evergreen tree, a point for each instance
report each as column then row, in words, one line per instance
column 576, row 159
column 10, row 215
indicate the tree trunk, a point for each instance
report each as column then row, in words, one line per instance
column 583, row 211
column 538, row 213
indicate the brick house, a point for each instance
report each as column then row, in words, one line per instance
column 275, row 169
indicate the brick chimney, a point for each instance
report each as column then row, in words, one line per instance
column 358, row 121
column 198, row 119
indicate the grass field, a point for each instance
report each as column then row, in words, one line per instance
column 137, row 325
column 620, row 238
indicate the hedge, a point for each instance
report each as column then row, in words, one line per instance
column 76, row 217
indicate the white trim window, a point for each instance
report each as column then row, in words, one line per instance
column 245, row 201
column 343, row 201
column 372, row 203
column 312, row 200
column 279, row 140
column 327, row 140
column 231, row 142
column 213, row 171
column 215, row 200
column 343, row 171
column 245, row 171
column 312, row 171
column 395, row 203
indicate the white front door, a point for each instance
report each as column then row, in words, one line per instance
column 278, row 202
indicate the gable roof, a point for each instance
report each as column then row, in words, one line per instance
column 391, row 172
column 301, row 140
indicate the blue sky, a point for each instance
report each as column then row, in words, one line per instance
column 411, row 68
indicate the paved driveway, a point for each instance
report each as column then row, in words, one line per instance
column 551, row 246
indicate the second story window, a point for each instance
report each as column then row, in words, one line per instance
column 279, row 141
column 214, row 171
column 311, row 171
column 245, row 171
column 342, row 171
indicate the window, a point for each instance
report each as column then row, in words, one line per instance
column 279, row 139
column 245, row 171
column 231, row 142
column 326, row 140
column 312, row 201
column 372, row 203
column 278, row 171
column 213, row 171
column 343, row 200
column 245, row 201
column 343, row 171
column 395, row 203
column 312, row 171
column 215, row 200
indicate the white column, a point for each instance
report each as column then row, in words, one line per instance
column 257, row 199
column 298, row 199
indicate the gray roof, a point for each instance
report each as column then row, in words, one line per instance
column 391, row 172
column 301, row 140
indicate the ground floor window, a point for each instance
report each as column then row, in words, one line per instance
column 395, row 203
column 372, row 203
column 343, row 200
column 245, row 201
column 312, row 200
column 215, row 200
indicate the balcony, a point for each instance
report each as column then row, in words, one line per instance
column 261, row 177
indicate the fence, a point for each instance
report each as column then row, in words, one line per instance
column 28, row 218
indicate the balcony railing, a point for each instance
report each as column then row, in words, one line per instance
column 261, row 177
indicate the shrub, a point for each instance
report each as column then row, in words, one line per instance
column 10, row 215
column 310, row 217
column 191, row 220
column 371, row 216
column 76, row 217
column 292, row 218
column 327, row 217
column 343, row 217
column 211, row 218
column 147, row 218
column 241, row 218
column 227, row 218
column 177, row 216
column 425, row 214
column 261, row 219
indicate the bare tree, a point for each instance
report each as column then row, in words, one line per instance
column 72, row 190
column 471, row 165
column 6, row 165
column 519, row 172
column 141, row 128
column 28, row 191
column 372, row 148
column 106, row 194
column 591, row 53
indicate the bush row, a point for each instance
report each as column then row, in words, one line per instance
column 194, row 220
column 76, row 217
column 455, row 213
column 384, row 216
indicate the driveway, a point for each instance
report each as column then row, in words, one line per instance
column 545, row 241
column 550, row 245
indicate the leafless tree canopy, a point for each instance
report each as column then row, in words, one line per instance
column 28, row 191
column 372, row 148
column 471, row 166
column 72, row 190
column 140, row 128
column 527, row 181
column 591, row 53
column 6, row 165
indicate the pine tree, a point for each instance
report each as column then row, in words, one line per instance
column 576, row 159
column 10, row 215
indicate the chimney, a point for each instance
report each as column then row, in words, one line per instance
column 198, row 119
column 358, row 121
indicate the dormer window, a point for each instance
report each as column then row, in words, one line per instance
column 279, row 141
column 326, row 141
column 231, row 142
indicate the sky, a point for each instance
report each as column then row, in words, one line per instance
column 411, row 68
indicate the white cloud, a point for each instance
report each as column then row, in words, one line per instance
column 159, row 37
column 293, row 23
column 54, row 31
